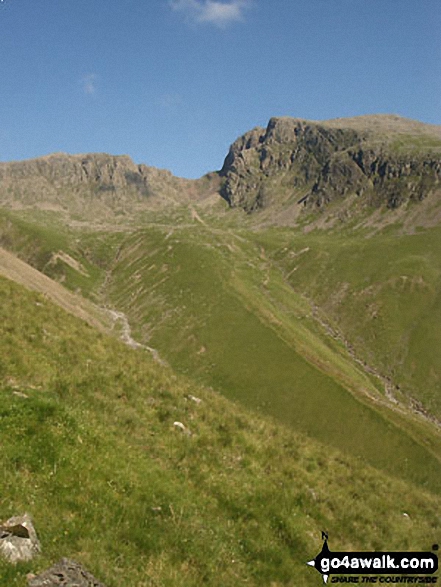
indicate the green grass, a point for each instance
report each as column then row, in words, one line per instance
column 417, row 143
column 231, row 309
column 299, row 328
column 224, row 315
column 93, row 456
column 36, row 241
column 383, row 293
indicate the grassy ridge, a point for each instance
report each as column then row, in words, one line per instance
column 93, row 455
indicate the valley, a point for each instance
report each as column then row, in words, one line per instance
column 296, row 292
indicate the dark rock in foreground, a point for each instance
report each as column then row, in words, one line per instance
column 67, row 573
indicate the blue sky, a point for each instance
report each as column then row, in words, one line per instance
column 173, row 82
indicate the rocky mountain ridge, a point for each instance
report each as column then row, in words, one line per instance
column 293, row 166
column 294, row 161
column 90, row 183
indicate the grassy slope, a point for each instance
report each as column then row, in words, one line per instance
column 20, row 272
column 39, row 237
column 218, row 309
column 224, row 306
column 93, row 455
column 383, row 293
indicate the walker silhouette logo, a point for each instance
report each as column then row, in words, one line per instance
column 375, row 563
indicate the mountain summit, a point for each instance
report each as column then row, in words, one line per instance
column 294, row 171
column 326, row 341
column 376, row 161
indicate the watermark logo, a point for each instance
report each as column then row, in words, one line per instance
column 329, row 563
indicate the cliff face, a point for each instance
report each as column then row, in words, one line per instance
column 324, row 162
column 292, row 167
column 87, row 184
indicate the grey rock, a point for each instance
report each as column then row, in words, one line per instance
column 18, row 539
column 67, row 573
column 94, row 184
column 329, row 161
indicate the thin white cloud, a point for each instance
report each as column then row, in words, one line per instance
column 89, row 83
column 213, row 12
column 220, row 13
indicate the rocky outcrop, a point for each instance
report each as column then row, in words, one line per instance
column 99, row 172
column 67, row 573
column 382, row 160
column 91, row 184
column 323, row 162
column 385, row 178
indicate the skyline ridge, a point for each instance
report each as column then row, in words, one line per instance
column 371, row 119
column 140, row 78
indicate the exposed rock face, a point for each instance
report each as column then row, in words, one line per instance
column 321, row 162
column 387, row 178
column 18, row 539
column 382, row 160
column 84, row 184
column 67, row 573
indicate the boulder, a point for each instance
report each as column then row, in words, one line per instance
column 67, row 573
column 18, row 539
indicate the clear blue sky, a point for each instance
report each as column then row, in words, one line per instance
column 173, row 82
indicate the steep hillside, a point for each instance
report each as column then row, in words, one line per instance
column 356, row 164
column 75, row 258
column 16, row 270
column 90, row 450
column 379, row 296
column 280, row 321
column 233, row 309
column 220, row 311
